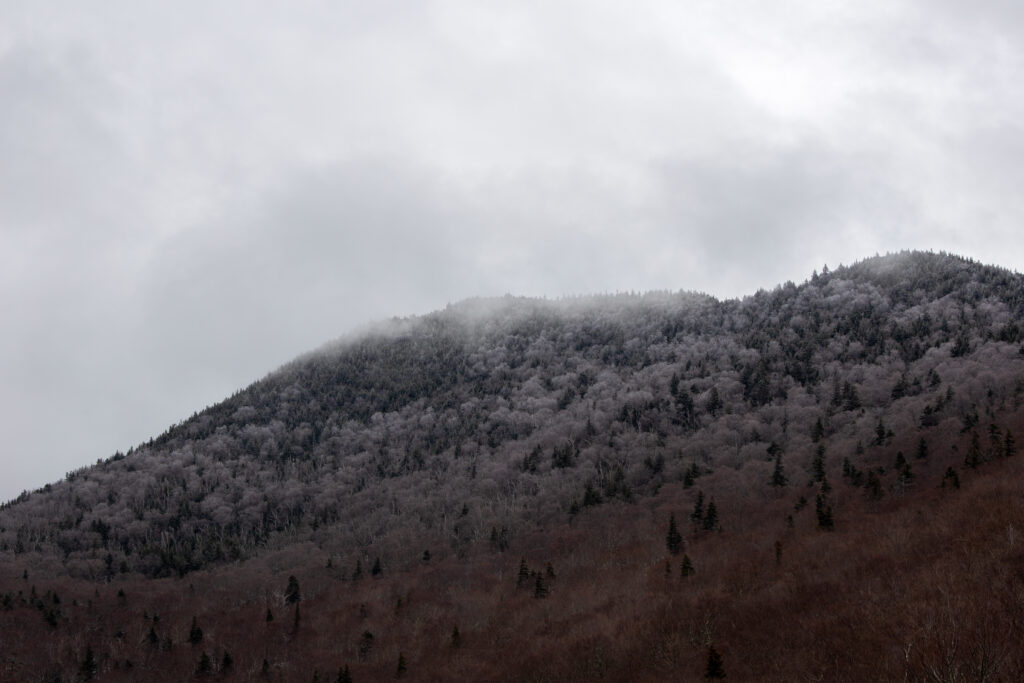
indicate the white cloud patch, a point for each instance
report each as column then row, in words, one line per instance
column 192, row 194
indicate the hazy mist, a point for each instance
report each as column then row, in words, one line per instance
column 192, row 195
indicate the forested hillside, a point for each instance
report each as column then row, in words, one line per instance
column 531, row 450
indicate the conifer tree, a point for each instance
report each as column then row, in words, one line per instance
column 817, row 431
column 711, row 517
column 922, row 449
column 697, row 516
column 673, row 540
column 714, row 401
column 376, row 569
column 540, row 589
column 402, row 667
column 778, row 475
column 88, row 668
column 524, row 573
column 880, row 433
column 952, row 477
column 818, row 464
column 686, row 567
column 851, row 401
column 973, row 457
column 1009, row 446
column 456, row 637
column 715, row 669
column 344, row 675
column 365, row 644
column 205, row 666
column 195, row 634
column 291, row 593
column 824, row 512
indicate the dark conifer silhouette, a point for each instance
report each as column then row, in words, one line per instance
column 402, row 666
column 715, row 669
column 778, row 474
column 291, row 593
column 195, row 634
column 524, row 573
column 205, row 666
column 697, row 516
column 673, row 539
column 710, row 522
column 88, row 669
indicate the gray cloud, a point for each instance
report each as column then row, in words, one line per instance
column 192, row 195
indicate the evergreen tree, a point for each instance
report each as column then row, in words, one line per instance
column 344, row 675
column 697, row 516
column 1009, row 446
column 922, row 449
column 540, row 589
column 376, row 569
column 714, row 401
column 952, row 477
column 291, row 593
column 851, row 401
column 456, row 637
column 824, row 512
column 195, row 634
column 817, row 431
column 88, row 668
column 402, row 668
column 270, row 616
column 226, row 662
column 715, row 669
column 673, row 540
column 818, row 464
column 205, row 666
column 690, row 475
column 524, row 573
column 365, row 644
column 711, row 517
column 778, row 474
column 880, row 433
column 686, row 567
column 973, row 457
column 357, row 573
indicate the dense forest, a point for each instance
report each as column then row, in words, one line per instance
column 816, row 482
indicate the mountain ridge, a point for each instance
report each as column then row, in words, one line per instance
column 627, row 487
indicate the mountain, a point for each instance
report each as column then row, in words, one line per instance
column 540, row 477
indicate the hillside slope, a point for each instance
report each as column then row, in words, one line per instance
column 828, row 425
column 510, row 409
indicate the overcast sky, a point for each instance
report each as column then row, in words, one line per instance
column 193, row 193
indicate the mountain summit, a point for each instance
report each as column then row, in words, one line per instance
column 567, row 431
